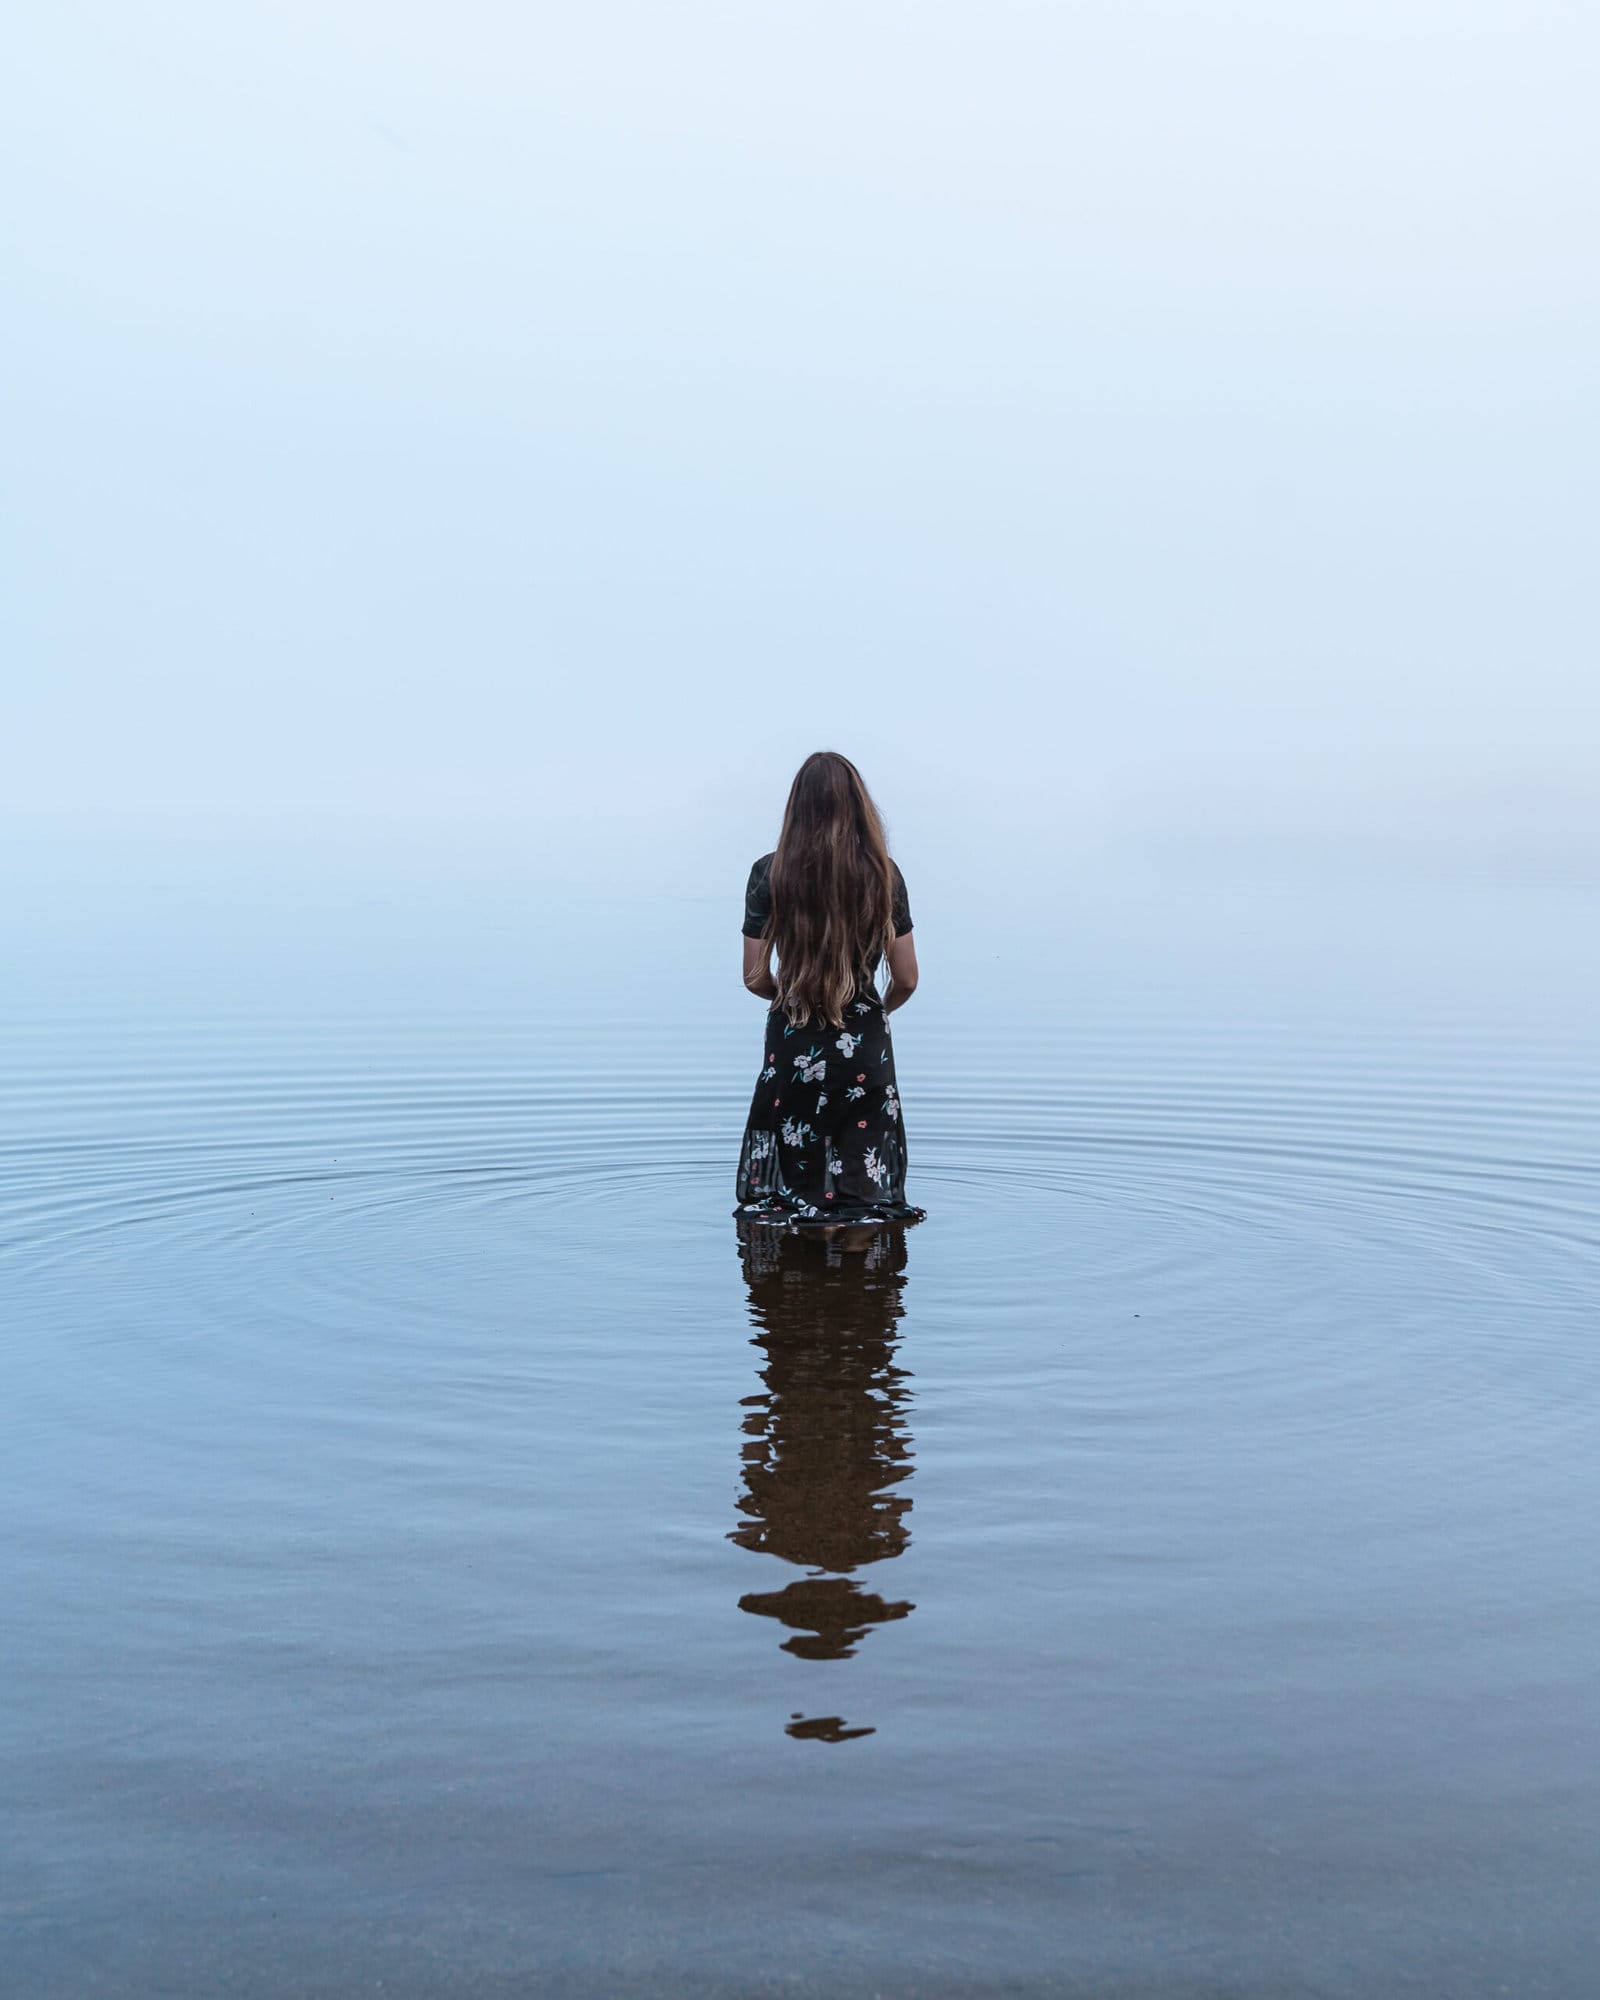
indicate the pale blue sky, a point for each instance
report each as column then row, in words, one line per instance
column 1154, row 418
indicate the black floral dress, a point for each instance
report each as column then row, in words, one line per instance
column 825, row 1140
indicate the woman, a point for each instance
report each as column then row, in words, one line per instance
column 824, row 1144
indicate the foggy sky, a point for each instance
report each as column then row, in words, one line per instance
column 1125, row 416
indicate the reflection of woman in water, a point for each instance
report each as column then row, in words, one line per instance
column 824, row 1144
column 826, row 1450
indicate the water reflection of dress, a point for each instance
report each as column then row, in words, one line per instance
column 826, row 1450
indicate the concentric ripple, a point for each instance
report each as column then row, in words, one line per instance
column 408, row 1462
column 1450, row 1191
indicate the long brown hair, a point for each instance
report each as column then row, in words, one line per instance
column 832, row 889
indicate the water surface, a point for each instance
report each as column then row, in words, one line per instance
column 445, row 1559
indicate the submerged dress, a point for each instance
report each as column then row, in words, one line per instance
column 825, row 1140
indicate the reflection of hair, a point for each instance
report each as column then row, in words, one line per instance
column 832, row 889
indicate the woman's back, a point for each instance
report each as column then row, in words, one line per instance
column 758, row 909
column 824, row 1143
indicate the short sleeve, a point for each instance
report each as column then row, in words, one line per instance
column 901, row 904
column 758, row 897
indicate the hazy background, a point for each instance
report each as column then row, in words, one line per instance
column 1150, row 424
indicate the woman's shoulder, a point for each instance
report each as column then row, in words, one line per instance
column 758, row 898
column 900, row 901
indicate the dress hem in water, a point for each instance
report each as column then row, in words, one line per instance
column 774, row 1214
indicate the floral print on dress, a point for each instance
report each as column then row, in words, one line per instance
column 826, row 1143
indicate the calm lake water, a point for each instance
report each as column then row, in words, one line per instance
column 442, row 1559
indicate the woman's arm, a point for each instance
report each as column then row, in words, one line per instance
column 758, row 977
column 902, row 972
